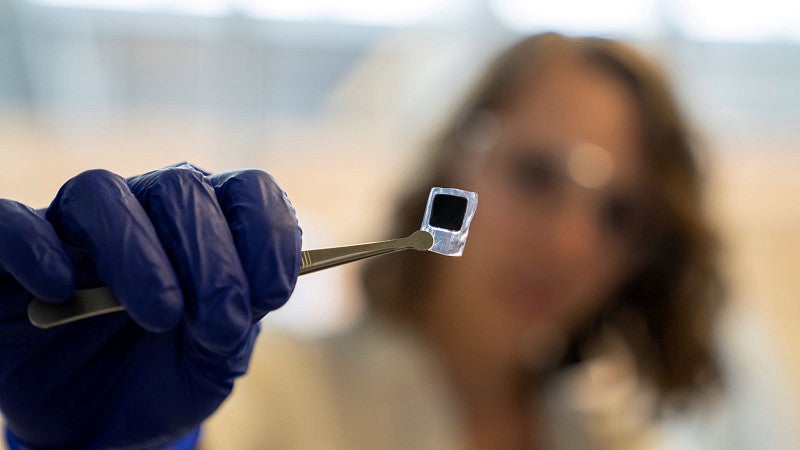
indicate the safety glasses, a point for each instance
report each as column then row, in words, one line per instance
column 547, row 180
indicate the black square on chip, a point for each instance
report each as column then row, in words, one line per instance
column 448, row 212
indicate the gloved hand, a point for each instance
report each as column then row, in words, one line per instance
column 196, row 259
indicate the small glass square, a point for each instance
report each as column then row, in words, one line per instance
column 447, row 218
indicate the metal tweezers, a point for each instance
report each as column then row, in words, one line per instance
column 86, row 303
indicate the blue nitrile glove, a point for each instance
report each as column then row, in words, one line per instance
column 197, row 260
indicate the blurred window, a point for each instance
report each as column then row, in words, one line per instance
column 618, row 17
column 194, row 7
column 724, row 20
column 348, row 11
column 716, row 20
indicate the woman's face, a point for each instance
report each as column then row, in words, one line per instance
column 544, row 252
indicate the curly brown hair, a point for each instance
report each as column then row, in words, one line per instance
column 666, row 308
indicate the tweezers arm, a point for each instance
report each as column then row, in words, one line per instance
column 93, row 302
column 314, row 260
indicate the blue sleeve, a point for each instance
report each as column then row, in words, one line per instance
column 188, row 442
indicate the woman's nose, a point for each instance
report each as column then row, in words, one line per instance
column 576, row 236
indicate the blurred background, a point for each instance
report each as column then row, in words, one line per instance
column 336, row 100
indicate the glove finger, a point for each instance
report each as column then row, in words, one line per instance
column 265, row 231
column 31, row 252
column 266, row 235
column 96, row 211
column 184, row 210
column 186, row 165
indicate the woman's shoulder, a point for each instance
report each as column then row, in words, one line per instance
column 332, row 392
column 281, row 402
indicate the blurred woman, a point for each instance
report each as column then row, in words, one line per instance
column 583, row 302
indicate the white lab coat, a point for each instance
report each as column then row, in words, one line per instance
column 378, row 387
